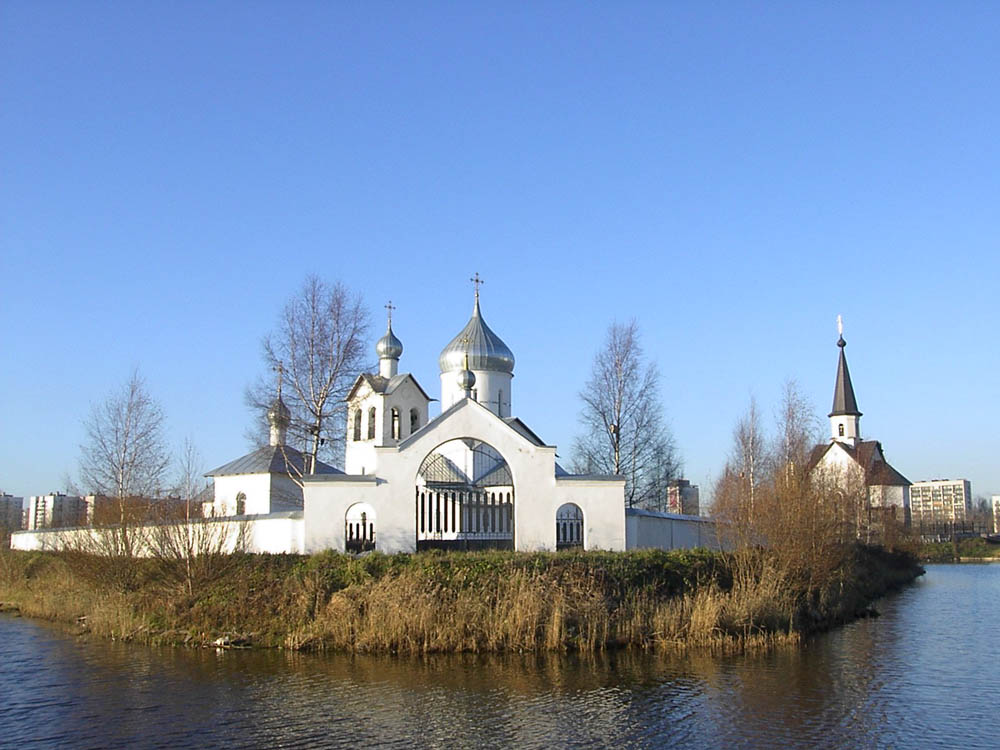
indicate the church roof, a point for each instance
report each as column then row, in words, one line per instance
column 271, row 459
column 869, row 456
column 384, row 385
column 486, row 350
column 844, row 401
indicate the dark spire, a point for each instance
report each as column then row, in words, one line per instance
column 843, row 392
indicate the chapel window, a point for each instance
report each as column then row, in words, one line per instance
column 241, row 504
column 357, row 424
column 395, row 423
column 840, row 429
column 414, row 420
column 371, row 423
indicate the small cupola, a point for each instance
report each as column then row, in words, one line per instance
column 388, row 348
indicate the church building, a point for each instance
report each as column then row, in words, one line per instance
column 849, row 458
column 474, row 477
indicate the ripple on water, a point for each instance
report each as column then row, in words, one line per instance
column 917, row 677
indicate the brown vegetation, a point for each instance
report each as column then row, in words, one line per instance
column 450, row 602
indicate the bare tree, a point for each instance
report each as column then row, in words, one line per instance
column 125, row 454
column 320, row 345
column 622, row 417
column 797, row 431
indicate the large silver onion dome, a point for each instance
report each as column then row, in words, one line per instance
column 389, row 347
column 486, row 350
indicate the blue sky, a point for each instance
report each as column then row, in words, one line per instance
column 733, row 175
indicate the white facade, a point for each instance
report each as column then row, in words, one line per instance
column 995, row 504
column 58, row 510
column 471, row 478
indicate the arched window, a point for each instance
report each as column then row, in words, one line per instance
column 359, row 528
column 241, row 504
column 357, row 424
column 371, row 423
column 840, row 429
column 395, row 423
column 569, row 526
column 414, row 420
column 500, row 402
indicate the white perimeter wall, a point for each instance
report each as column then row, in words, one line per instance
column 645, row 529
column 278, row 534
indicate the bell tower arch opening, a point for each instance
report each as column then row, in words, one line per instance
column 464, row 498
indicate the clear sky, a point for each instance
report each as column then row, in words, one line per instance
column 733, row 175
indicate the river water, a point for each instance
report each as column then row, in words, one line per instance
column 923, row 675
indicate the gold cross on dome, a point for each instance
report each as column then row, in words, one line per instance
column 477, row 282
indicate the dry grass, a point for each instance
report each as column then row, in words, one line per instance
column 461, row 602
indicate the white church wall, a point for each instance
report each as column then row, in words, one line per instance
column 536, row 496
column 603, row 504
column 490, row 388
column 256, row 487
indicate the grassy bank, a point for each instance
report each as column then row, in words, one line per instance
column 447, row 602
column 946, row 552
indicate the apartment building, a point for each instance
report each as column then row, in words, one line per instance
column 941, row 500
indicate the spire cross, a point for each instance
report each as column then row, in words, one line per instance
column 390, row 307
column 280, row 368
column 840, row 325
column 477, row 282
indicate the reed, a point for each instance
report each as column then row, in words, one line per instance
column 456, row 602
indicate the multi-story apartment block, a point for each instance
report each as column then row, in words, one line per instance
column 682, row 497
column 57, row 510
column 11, row 512
column 941, row 500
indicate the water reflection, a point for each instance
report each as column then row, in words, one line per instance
column 907, row 679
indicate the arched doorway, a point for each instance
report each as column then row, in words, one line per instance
column 569, row 526
column 464, row 498
column 359, row 528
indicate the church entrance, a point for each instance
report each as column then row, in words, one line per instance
column 464, row 498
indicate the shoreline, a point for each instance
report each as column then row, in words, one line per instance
column 458, row 602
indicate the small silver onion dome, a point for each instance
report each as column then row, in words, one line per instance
column 389, row 347
column 278, row 414
column 486, row 350
column 466, row 380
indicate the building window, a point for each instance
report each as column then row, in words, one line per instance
column 395, row 423
column 840, row 429
column 371, row 423
column 241, row 504
column 357, row 424
column 414, row 421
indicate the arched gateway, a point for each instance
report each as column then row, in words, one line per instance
column 464, row 498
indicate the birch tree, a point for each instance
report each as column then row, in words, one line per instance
column 624, row 432
column 124, row 454
column 320, row 345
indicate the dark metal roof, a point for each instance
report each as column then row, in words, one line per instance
column 383, row 385
column 869, row 456
column 271, row 459
column 843, row 391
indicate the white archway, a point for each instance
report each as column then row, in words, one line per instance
column 359, row 528
column 569, row 526
column 464, row 497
